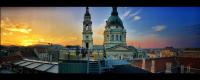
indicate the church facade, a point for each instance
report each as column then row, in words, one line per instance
column 114, row 45
column 115, row 33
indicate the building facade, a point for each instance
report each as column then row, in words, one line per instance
column 114, row 44
column 115, row 33
column 168, row 52
column 87, row 41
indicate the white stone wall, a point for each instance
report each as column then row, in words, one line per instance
column 114, row 36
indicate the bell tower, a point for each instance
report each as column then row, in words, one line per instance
column 87, row 41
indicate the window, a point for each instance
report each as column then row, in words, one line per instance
column 112, row 38
column 116, row 37
column 120, row 37
column 86, row 27
column 86, row 37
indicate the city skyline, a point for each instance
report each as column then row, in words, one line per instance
column 151, row 27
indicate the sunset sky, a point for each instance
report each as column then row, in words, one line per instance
column 149, row 27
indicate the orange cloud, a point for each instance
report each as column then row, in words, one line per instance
column 21, row 33
column 9, row 26
column 19, row 30
column 16, row 33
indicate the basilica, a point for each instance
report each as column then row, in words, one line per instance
column 114, row 44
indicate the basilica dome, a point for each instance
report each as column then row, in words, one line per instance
column 114, row 20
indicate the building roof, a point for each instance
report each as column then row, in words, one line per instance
column 51, row 67
column 129, row 48
column 114, row 19
column 41, row 50
column 127, row 69
column 19, row 62
column 43, row 67
column 152, row 52
column 34, row 65
column 25, row 63
column 98, row 47
column 73, row 47
column 10, row 58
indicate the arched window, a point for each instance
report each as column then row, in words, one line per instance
column 116, row 38
column 87, row 27
column 112, row 37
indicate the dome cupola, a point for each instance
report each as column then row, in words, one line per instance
column 114, row 19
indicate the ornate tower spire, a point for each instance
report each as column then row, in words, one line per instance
column 87, row 20
column 87, row 41
column 87, row 9
column 87, row 12
column 114, row 11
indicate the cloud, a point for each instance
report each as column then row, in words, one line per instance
column 19, row 30
column 131, row 14
column 126, row 14
column 135, row 13
column 9, row 26
column 136, row 18
column 159, row 28
column 9, row 33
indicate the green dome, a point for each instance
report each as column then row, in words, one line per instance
column 114, row 20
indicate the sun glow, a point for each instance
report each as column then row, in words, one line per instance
column 27, row 42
